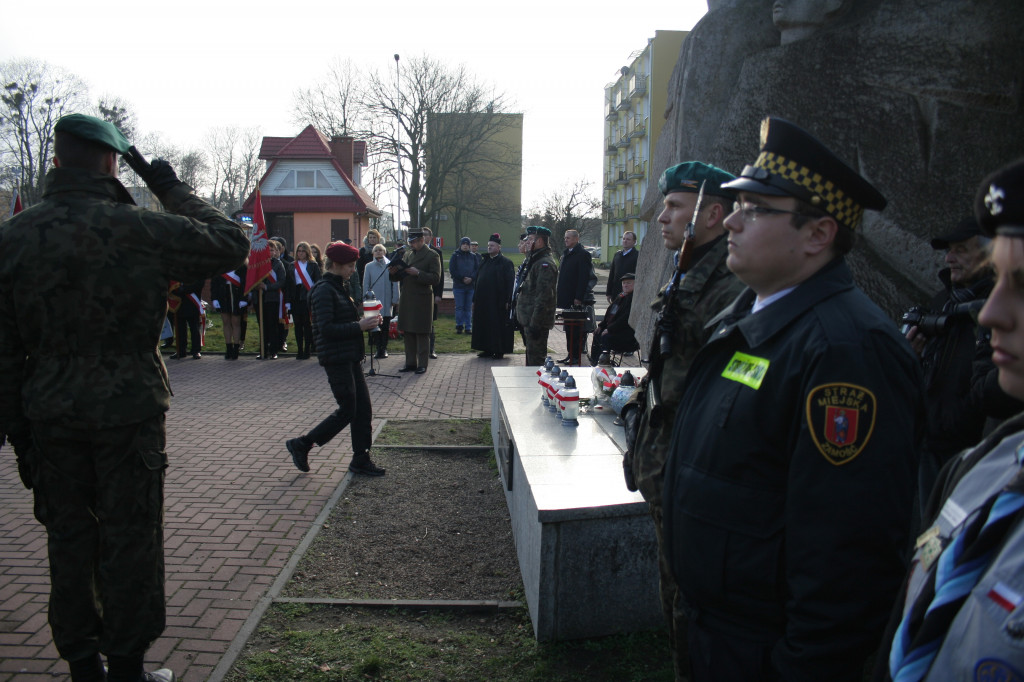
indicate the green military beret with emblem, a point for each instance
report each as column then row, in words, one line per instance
column 93, row 129
column 793, row 163
column 690, row 175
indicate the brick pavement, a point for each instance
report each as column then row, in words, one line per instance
column 236, row 508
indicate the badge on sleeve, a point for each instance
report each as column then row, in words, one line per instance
column 841, row 418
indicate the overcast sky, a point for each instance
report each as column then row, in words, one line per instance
column 188, row 65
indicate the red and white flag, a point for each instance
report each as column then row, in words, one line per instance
column 259, row 250
column 1005, row 597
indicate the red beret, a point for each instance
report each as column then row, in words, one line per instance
column 341, row 253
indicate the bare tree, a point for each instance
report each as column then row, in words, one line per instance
column 332, row 104
column 400, row 113
column 574, row 206
column 34, row 95
column 234, row 165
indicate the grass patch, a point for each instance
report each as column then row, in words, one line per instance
column 330, row 643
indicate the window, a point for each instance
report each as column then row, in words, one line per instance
column 305, row 179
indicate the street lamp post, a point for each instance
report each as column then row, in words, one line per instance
column 398, row 148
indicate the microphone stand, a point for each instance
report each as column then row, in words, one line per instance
column 378, row 330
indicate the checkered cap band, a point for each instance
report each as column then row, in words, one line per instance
column 835, row 202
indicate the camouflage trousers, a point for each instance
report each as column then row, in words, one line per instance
column 671, row 603
column 100, row 495
column 536, row 341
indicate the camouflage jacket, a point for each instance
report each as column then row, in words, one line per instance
column 535, row 297
column 83, row 293
column 709, row 286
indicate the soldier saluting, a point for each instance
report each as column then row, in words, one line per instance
column 83, row 389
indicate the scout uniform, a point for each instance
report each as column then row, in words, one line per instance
column 962, row 617
column 535, row 300
column 790, row 477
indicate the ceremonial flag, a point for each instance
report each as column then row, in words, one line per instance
column 259, row 250
column 16, row 209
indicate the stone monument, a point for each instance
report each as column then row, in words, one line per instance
column 922, row 97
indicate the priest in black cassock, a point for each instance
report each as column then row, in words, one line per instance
column 492, row 330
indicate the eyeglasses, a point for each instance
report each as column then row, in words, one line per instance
column 750, row 212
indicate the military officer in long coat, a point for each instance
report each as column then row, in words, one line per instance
column 416, row 272
column 534, row 299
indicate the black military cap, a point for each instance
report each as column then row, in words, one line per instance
column 793, row 163
column 999, row 204
column 415, row 234
column 93, row 129
column 964, row 230
column 690, row 175
column 628, row 275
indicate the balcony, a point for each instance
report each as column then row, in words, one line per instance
column 632, row 209
column 639, row 130
column 621, row 178
column 637, row 86
column 623, row 141
column 638, row 171
column 610, row 114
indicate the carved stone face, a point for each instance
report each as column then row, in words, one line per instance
column 797, row 19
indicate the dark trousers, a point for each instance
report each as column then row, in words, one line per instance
column 303, row 327
column 100, row 495
column 349, row 388
column 271, row 328
column 417, row 349
column 187, row 318
column 719, row 657
column 379, row 338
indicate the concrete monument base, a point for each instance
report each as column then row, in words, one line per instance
column 585, row 544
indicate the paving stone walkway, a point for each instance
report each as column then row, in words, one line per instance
column 236, row 508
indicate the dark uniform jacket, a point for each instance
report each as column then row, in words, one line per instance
column 78, row 338
column 573, row 276
column 788, row 488
column 335, row 322
column 616, row 321
column 621, row 264
column 228, row 294
column 463, row 264
column 709, row 286
column 535, row 298
column 417, row 291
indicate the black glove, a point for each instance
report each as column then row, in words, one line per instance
column 158, row 176
column 631, row 423
column 24, row 452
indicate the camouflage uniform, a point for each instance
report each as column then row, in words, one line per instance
column 535, row 303
column 83, row 294
column 708, row 287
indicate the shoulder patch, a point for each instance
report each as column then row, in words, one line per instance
column 841, row 419
column 995, row 669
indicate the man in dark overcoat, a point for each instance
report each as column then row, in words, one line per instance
column 416, row 271
column 573, row 287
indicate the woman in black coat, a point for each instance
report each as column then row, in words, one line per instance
column 339, row 325
column 492, row 330
column 305, row 273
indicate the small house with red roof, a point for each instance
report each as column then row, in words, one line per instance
column 311, row 190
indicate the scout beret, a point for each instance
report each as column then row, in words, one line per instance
column 341, row 253
column 93, row 129
column 964, row 230
column 690, row 175
column 543, row 231
column 999, row 204
column 793, row 163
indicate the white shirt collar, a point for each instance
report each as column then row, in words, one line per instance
column 760, row 303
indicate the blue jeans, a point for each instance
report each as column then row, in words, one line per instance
column 463, row 307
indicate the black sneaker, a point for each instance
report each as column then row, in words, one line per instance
column 299, row 452
column 366, row 468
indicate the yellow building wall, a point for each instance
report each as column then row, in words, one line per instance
column 664, row 55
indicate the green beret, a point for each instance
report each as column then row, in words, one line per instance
column 543, row 231
column 93, row 129
column 688, row 177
